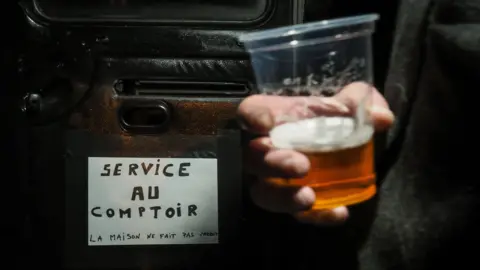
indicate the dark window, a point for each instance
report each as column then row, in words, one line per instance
column 153, row 10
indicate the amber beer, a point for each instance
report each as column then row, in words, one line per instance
column 341, row 155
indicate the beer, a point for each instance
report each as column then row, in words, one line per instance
column 341, row 154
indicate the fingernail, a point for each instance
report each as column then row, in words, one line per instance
column 383, row 111
column 265, row 120
column 296, row 166
column 336, row 105
column 331, row 217
column 329, row 104
column 305, row 197
column 266, row 142
column 259, row 122
column 341, row 213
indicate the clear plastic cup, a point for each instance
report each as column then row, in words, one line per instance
column 326, row 69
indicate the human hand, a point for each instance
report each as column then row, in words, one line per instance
column 258, row 114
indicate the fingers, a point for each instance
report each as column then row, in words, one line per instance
column 268, row 164
column 382, row 118
column 281, row 198
column 297, row 201
column 260, row 113
column 263, row 161
column 323, row 217
column 255, row 114
column 270, row 194
column 353, row 96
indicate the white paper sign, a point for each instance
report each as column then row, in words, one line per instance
column 152, row 201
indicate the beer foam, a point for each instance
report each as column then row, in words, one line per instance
column 321, row 134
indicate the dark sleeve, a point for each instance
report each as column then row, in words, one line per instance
column 430, row 195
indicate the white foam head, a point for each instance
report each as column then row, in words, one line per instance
column 321, row 134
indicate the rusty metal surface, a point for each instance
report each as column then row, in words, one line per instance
column 99, row 115
column 70, row 124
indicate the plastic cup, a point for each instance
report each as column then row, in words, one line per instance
column 326, row 70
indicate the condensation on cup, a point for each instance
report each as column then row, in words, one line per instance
column 325, row 70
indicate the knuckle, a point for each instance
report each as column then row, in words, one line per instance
column 246, row 105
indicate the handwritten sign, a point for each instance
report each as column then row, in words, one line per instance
column 152, row 201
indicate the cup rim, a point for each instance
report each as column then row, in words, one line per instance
column 293, row 30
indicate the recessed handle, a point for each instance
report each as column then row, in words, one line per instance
column 145, row 118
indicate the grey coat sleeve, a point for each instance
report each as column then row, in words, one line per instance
column 429, row 199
